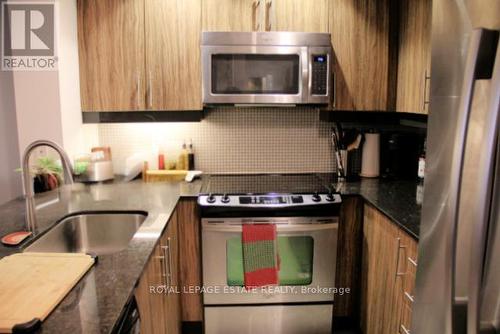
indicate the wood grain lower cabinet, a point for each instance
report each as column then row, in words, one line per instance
column 405, row 285
column 349, row 257
column 190, row 260
column 159, row 306
column 388, row 275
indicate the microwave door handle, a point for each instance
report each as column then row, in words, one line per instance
column 232, row 228
column 483, row 205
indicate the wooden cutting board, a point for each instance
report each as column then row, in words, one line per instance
column 33, row 284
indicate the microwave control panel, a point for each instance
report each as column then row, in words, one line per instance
column 319, row 74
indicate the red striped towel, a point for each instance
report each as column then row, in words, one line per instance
column 260, row 255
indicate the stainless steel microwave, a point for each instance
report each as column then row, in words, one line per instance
column 266, row 68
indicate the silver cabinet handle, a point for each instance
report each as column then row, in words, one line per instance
column 268, row 15
column 424, row 99
column 162, row 265
column 412, row 261
column 170, row 277
column 166, row 270
column 409, row 297
column 404, row 330
column 255, row 24
column 400, row 246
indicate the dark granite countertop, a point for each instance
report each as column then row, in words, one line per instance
column 96, row 302
column 398, row 200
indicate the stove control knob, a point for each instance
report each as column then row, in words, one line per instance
column 225, row 199
column 211, row 199
column 330, row 197
column 316, row 197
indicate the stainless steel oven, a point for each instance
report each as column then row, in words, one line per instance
column 266, row 68
column 305, row 213
column 307, row 248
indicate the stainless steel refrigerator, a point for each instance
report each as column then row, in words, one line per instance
column 458, row 275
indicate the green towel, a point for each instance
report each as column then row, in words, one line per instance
column 296, row 260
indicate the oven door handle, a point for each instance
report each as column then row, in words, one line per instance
column 221, row 227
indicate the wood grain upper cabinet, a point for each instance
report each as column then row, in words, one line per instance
column 232, row 15
column 296, row 15
column 360, row 41
column 173, row 68
column 388, row 275
column 414, row 56
column 112, row 55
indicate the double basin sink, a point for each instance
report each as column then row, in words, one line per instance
column 91, row 233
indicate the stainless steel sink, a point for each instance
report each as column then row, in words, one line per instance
column 96, row 233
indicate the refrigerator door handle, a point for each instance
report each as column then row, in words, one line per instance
column 456, row 172
column 482, row 205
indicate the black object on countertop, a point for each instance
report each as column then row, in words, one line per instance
column 28, row 327
column 399, row 154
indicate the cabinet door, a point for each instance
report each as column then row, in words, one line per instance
column 172, row 300
column 360, row 40
column 405, row 283
column 160, row 310
column 111, row 52
column 381, row 247
column 296, row 15
column 151, row 305
column 414, row 56
column 173, row 69
column 190, row 259
column 232, row 15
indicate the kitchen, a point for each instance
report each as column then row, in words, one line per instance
column 250, row 166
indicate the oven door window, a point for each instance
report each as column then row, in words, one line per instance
column 255, row 74
column 296, row 260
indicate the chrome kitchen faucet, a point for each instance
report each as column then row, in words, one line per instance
column 27, row 180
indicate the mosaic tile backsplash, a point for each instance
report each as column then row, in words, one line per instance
column 232, row 141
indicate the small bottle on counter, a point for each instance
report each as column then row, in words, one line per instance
column 190, row 155
column 161, row 161
column 182, row 162
column 421, row 164
column 419, row 196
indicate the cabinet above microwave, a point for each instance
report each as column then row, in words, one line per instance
column 266, row 68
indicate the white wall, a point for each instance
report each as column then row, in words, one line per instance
column 48, row 102
column 76, row 138
column 10, row 181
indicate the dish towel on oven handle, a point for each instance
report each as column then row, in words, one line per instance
column 260, row 255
